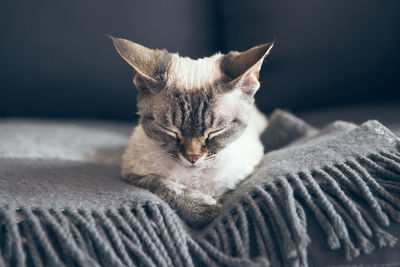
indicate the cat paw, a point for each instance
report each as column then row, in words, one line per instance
column 201, row 198
column 205, row 215
column 198, row 209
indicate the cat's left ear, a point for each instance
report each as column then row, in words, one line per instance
column 243, row 68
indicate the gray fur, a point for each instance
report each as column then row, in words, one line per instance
column 192, row 113
column 195, row 208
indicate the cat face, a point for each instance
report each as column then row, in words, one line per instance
column 195, row 125
column 193, row 108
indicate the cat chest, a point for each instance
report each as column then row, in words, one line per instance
column 215, row 180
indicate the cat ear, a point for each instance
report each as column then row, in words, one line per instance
column 243, row 68
column 149, row 64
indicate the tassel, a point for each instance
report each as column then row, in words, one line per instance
column 297, row 223
column 337, row 221
column 148, row 242
column 114, row 238
column 383, row 238
column 366, row 246
column 334, row 188
column 237, row 240
column 244, row 229
column 366, row 193
column 174, row 239
column 71, row 251
column 265, row 242
column 332, row 238
column 280, row 229
column 50, row 256
column 13, row 252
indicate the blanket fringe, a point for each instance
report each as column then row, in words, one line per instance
column 270, row 223
column 274, row 214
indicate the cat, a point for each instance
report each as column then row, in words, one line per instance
column 199, row 130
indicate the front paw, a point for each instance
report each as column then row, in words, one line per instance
column 198, row 209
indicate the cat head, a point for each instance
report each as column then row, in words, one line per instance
column 194, row 108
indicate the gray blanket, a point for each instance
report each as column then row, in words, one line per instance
column 62, row 201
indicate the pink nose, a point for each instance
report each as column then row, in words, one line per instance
column 192, row 158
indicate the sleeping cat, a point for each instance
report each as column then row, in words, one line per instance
column 199, row 129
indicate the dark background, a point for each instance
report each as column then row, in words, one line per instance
column 56, row 60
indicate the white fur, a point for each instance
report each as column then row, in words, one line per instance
column 188, row 73
column 231, row 165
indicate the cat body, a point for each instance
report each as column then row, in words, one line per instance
column 199, row 129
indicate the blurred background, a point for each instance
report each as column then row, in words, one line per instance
column 56, row 60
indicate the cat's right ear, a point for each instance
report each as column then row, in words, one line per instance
column 149, row 64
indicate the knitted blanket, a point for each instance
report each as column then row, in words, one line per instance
column 63, row 203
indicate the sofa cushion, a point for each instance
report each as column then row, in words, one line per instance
column 387, row 113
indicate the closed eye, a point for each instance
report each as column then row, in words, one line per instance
column 215, row 133
column 170, row 132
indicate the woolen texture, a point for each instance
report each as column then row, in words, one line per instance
column 75, row 210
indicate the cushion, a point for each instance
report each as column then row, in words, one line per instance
column 387, row 113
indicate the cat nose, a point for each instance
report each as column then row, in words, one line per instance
column 192, row 158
